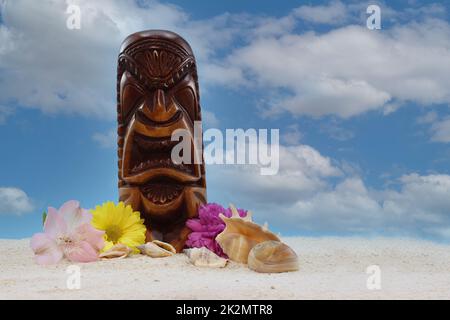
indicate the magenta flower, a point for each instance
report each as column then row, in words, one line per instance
column 67, row 233
column 207, row 226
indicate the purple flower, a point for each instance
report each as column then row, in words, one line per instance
column 207, row 226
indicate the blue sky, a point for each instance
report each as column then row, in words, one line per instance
column 363, row 114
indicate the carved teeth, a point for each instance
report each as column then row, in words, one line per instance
column 161, row 162
column 161, row 193
column 160, row 151
column 149, row 144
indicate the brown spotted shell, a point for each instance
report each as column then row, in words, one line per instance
column 241, row 235
column 272, row 257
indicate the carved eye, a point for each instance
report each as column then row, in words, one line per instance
column 186, row 99
column 131, row 97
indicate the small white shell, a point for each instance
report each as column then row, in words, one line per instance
column 203, row 257
column 118, row 251
column 157, row 249
column 272, row 257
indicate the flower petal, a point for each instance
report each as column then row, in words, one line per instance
column 74, row 215
column 69, row 206
column 194, row 224
column 45, row 249
column 54, row 224
column 81, row 252
column 208, row 225
column 94, row 237
column 108, row 245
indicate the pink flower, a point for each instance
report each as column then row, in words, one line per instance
column 208, row 225
column 67, row 233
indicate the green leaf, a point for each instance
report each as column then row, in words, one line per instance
column 44, row 216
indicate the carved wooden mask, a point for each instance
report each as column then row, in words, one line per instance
column 157, row 93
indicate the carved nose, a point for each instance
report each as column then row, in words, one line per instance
column 159, row 101
column 158, row 108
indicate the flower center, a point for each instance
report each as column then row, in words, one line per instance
column 114, row 233
column 64, row 241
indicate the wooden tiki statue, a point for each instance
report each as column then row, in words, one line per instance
column 157, row 93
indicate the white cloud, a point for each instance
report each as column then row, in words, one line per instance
column 351, row 70
column 53, row 68
column 291, row 135
column 421, row 200
column 344, row 72
column 439, row 128
column 209, row 119
column 106, row 139
column 270, row 26
column 429, row 117
column 336, row 132
column 333, row 13
column 313, row 193
column 420, row 206
column 336, row 12
column 441, row 131
column 5, row 112
column 47, row 66
column 222, row 75
column 303, row 171
column 432, row 9
column 14, row 201
column 346, row 208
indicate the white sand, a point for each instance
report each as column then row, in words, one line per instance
column 331, row 268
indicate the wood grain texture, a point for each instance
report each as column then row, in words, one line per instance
column 157, row 93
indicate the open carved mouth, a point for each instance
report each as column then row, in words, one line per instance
column 151, row 153
column 161, row 192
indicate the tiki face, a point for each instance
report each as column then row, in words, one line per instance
column 157, row 94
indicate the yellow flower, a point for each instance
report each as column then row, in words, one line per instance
column 121, row 225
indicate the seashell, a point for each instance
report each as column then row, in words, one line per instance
column 203, row 257
column 157, row 249
column 272, row 257
column 118, row 251
column 241, row 235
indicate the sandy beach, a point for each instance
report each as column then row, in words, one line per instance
column 330, row 268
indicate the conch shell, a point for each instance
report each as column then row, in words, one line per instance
column 241, row 235
column 272, row 257
column 157, row 249
column 118, row 251
column 203, row 257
